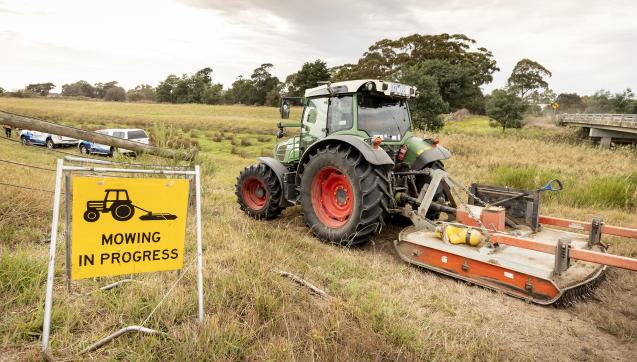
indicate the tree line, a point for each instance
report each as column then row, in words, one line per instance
column 449, row 71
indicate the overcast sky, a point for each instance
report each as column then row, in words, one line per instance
column 587, row 44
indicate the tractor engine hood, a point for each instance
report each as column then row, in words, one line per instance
column 421, row 152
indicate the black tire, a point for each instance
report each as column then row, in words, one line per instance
column 369, row 188
column 259, row 192
column 122, row 212
column 91, row 215
column 25, row 141
column 49, row 144
column 84, row 150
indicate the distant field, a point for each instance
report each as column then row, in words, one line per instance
column 379, row 308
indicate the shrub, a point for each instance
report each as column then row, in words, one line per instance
column 246, row 142
column 520, row 177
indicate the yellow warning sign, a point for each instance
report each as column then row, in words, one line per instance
column 127, row 225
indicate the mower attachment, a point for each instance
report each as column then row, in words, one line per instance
column 529, row 261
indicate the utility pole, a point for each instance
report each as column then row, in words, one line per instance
column 34, row 124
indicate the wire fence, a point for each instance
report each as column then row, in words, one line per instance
column 25, row 187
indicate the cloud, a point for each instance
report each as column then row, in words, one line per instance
column 586, row 44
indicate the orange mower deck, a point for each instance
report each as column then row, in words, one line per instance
column 523, row 273
column 519, row 252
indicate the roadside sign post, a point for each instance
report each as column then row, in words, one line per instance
column 122, row 225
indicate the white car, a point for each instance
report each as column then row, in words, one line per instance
column 49, row 140
column 131, row 134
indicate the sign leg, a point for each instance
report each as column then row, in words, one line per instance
column 48, row 302
column 199, row 248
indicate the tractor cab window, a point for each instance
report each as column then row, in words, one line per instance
column 383, row 116
column 340, row 116
column 314, row 121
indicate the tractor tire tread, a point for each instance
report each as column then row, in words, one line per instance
column 273, row 209
column 374, row 184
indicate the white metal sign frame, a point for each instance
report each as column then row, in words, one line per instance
column 60, row 170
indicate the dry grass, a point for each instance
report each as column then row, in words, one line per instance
column 379, row 308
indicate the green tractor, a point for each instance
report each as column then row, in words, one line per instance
column 353, row 165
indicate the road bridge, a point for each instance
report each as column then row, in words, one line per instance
column 608, row 128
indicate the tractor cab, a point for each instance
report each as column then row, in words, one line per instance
column 114, row 195
column 366, row 109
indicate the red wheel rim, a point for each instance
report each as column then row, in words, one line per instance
column 254, row 193
column 332, row 197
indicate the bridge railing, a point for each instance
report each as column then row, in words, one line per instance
column 614, row 120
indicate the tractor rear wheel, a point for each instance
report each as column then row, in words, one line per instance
column 259, row 192
column 344, row 198
column 122, row 212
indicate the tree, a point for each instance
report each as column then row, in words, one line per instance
column 115, row 94
column 263, row 82
column 570, row 103
column 429, row 105
column 165, row 89
column 1, row 91
column 78, row 89
column 600, row 102
column 196, row 88
column 42, row 89
column 505, row 108
column 528, row 76
column 242, row 91
column 142, row 92
column 307, row 77
column 102, row 88
column 456, row 83
column 454, row 62
column 386, row 57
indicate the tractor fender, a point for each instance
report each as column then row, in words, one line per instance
column 279, row 170
column 437, row 153
column 376, row 157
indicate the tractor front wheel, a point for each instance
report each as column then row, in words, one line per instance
column 344, row 198
column 91, row 215
column 259, row 192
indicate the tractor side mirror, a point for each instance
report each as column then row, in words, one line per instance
column 285, row 110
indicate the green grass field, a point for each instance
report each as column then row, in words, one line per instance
column 378, row 307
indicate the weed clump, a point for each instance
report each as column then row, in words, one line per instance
column 246, row 142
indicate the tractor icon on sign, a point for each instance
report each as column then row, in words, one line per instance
column 117, row 202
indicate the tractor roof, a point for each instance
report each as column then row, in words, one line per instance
column 391, row 89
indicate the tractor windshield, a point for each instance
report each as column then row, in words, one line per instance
column 383, row 116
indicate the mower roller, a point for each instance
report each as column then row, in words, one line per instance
column 356, row 164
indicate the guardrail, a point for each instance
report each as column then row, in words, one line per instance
column 609, row 120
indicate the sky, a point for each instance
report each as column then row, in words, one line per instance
column 587, row 45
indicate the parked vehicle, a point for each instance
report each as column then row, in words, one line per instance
column 49, row 140
column 132, row 134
